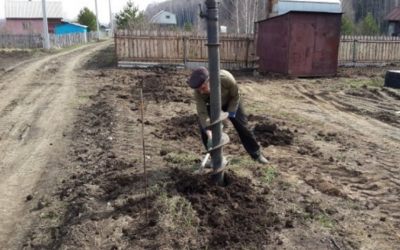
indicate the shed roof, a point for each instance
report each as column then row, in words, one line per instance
column 32, row 9
column 75, row 24
column 333, row 6
column 394, row 15
column 157, row 17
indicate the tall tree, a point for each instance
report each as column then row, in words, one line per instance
column 88, row 18
column 239, row 15
column 129, row 17
column 347, row 27
column 369, row 26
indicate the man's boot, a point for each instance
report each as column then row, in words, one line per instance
column 261, row 159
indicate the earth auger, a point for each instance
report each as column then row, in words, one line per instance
column 215, row 91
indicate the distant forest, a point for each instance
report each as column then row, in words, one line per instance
column 239, row 15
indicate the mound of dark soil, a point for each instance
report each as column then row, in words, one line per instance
column 269, row 133
column 165, row 86
column 179, row 127
column 234, row 216
column 105, row 58
column 308, row 148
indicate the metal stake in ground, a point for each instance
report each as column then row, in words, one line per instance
column 144, row 152
column 215, row 88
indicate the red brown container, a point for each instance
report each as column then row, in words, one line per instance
column 299, row 43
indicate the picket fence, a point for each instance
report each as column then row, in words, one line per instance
column 369, row 49
column 35, row 41
column 21, row 41
column 236, row 51
column 185, row 48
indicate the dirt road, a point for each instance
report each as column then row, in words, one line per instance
column 37, row 103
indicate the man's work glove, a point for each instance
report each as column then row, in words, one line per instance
column 232, row 114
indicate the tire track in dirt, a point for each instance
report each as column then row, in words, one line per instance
column 40, row 99
column 375, row 180
column 359, row 165
column 21, row 85
column 360, row 125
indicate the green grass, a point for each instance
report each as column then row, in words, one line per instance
column 269, row 174
column 183, row 159
column 176, row 213
column 82, row 99
column 357, row 83
column 325, row 221
column 239, row 162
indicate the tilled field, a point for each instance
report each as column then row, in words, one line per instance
column 333, row 181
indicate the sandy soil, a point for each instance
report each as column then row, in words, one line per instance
column 333, row 181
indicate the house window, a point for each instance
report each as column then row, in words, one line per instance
column 26, row 25
column 168, row 16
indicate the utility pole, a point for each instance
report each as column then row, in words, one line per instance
column 111, row 18
column 97, row 21
column 46, row 38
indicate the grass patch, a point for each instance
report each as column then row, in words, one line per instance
column 82, row 99
column 237, row 162
column 352, row 205
column 325, row 221
column 362, row 82
column 50, row 215
column 176, row 213
column 182, row 159
column 269, row 174
column 176, row 217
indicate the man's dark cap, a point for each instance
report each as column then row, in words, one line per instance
column 198, row 77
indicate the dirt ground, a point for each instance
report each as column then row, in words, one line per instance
column 73, row 177
column 10, row 58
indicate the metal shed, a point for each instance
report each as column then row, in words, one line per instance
column 299, row 43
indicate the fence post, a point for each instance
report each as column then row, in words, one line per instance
column 185, row 47
column 354, row 50
column 247, row 52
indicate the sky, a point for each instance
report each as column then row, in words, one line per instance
column 72, row 7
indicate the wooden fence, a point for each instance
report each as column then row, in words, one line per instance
column 35, row 41
column 185, row 48
column 369, row 49
column 236, row 51
column 62, row 41
column 21, row 41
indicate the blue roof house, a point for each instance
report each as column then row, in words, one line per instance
column 68, row 28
